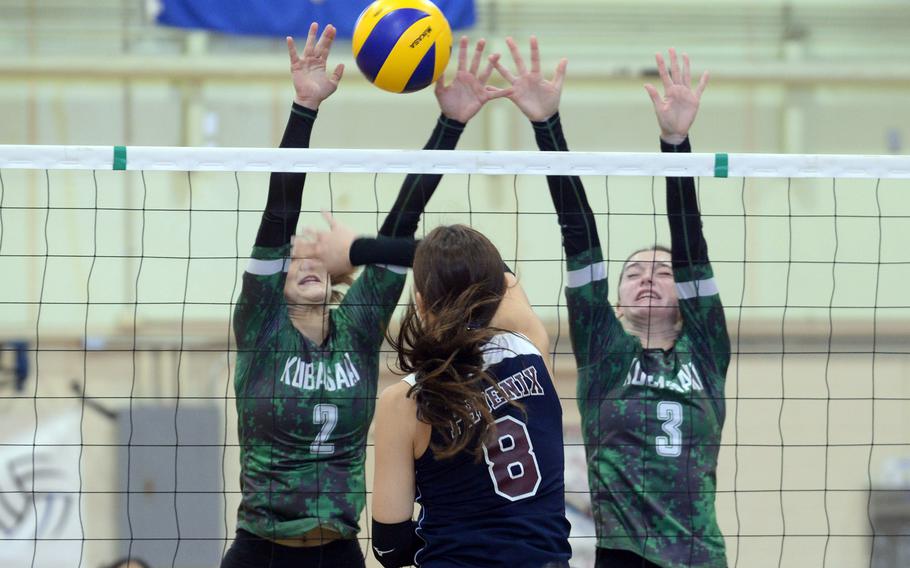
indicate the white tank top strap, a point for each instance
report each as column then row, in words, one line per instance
column 507, row 345
column 521, row 335
column 410, row 379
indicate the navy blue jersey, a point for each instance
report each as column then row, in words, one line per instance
column 508, row 509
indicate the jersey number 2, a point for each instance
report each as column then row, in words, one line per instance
column 671, row 413
column 511, row 460
column 327, row 415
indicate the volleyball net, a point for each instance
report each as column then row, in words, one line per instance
column 121, row 266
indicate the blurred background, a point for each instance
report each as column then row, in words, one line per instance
column 118, row 286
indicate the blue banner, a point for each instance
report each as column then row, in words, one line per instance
column 282, row 18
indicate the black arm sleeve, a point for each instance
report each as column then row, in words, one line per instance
column 417, row 189
column 576, row 220
column 395, row 545
column 398, row 251
column 282, row 208
column 686, row 237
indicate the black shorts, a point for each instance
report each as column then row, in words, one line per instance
column 251, row 551
column 616, row 558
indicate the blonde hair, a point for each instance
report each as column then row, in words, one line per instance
column 340, row 286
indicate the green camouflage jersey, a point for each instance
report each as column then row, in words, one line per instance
column 304, row 410
column 651, row 419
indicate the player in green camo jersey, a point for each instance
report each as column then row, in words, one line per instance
column 307, row 372
column 651, row 372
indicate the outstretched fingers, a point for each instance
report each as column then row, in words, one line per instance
column 310, row 39
column 324, row 45
column 535, row 55
column 516, row 56
column 329, row 219
column 478, row 56
column 292, row 51
column 655, row 96
column 337, row 73
column 662, row 71
column 674, row 67
column 702, row 83
column 560, row 74
column 488, row 70
column 440, row 85
column 463, row 53
column 687, row 75
column 496, row 93
column 506, row 74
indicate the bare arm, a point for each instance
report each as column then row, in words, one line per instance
column 394, row 484
column 516, row 314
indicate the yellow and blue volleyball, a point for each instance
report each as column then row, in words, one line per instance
column 402, row 45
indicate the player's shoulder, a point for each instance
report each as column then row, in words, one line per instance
column 395, row 410
column 508, row 345
column 394, row 398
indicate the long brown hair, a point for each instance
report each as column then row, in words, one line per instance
column 458, row 273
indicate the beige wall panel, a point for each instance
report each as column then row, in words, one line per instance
column 750, row 484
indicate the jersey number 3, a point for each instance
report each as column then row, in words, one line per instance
column 511, row 460
column 671, row 413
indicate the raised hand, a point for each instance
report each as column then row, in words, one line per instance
column 312, row 84
column 332, row 247
column 677, row 108
column 537, row 98
column 468, row 91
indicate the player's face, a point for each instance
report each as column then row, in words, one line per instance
column 307, row 282
column 647, row 289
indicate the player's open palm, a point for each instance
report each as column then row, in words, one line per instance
column 537, row 97
column 468, row 92
column 677, row 108
column 332, row 247
column 312, row 84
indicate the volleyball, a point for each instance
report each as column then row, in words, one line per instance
column 402, row 45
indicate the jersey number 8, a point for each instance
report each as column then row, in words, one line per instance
column 511, row 460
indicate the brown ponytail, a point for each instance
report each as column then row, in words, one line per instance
column 458, row 273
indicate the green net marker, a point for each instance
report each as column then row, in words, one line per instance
column 721, row 165
column 119, row 157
